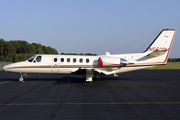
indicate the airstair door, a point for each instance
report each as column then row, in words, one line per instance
column 55, row 65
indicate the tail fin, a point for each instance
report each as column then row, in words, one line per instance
column 161, row 46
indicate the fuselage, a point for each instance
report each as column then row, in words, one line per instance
column 68, row 64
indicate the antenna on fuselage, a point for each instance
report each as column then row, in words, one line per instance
column 107, row 53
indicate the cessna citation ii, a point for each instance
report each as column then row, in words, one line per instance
column 155, row 55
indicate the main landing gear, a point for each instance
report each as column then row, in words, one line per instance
column 89, row 76
column 21, row 79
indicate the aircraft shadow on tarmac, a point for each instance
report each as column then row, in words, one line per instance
column 60, row 79
column 76, row 79
column 73, row 79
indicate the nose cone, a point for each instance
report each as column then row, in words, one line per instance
column 5, row 68
column 13, row 67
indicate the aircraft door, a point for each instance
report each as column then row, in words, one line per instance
column 55, row 65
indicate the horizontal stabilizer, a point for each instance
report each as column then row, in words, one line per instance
column 157, row 53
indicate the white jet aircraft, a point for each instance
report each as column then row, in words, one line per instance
column 155, row 55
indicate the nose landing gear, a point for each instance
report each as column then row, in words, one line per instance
column 21, row 79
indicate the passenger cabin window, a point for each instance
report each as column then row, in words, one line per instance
column 74, row 60
column 62, row 59
column 55, row 59
column 80, row 60
column 87, row 60
column 68, row 60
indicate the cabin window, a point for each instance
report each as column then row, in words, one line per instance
column 68, row 60
column 38, row 58
column 62, row 59
column 55, row 59
column 87, row 60
column 80, row 60
column 74, row 60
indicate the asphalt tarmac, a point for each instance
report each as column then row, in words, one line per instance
column 140, row 95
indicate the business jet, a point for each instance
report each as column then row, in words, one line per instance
column 155, row 55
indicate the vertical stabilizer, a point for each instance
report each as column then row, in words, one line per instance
column 161, row 46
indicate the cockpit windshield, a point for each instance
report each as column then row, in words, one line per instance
column 31, row 58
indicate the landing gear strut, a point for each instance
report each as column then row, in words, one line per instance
column 89, row 76
column 21, row 79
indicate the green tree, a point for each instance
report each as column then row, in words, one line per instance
column 18, row 50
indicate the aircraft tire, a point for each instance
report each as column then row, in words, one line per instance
column 21, row 79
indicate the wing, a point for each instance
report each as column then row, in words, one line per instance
column 83, row 71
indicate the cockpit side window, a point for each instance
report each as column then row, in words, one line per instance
column 38, row 58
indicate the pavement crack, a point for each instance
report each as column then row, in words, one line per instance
column 62, row 102
column 18, row 96
column 23, row 93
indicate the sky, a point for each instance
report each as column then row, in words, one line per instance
column 90, row 26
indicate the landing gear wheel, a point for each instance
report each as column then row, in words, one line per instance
column 21, row 79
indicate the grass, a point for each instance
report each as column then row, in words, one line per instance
column 169, row 65
column 0, row 68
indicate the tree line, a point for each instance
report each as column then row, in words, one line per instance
column 174, row 60
column 18, row 50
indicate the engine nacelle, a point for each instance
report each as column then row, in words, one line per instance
column 112, row 61
column 123, row 62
